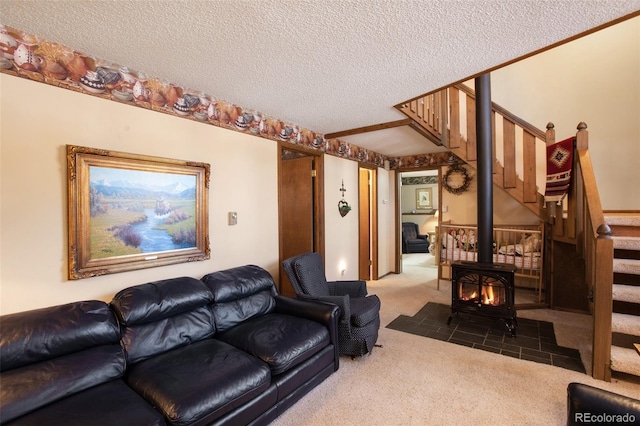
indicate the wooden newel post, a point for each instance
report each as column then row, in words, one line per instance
column 582, row 136
column 602, row 304
column 550, row 139
column 550, row 134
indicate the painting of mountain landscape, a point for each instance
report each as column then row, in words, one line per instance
column 134, row 212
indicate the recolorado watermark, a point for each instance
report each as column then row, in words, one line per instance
column 603, row 418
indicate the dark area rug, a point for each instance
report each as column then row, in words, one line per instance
column 535, row 340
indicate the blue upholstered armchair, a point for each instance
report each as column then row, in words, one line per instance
column 412, row 240
column 359, row 313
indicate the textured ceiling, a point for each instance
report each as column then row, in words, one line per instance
column 326, row 65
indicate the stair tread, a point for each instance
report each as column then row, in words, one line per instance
column 625, row 324
column 625, row 360
column 626, row 293
column 622, row 219
column 626, row 266
column 624, row 242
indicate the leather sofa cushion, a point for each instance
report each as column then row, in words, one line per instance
column 147, row 340
column 239, row 294
column 235, row 283
column 30, row 387
column 282, row 341
column 41, row 334
column 234, row 312
column 205, row 379
column 108, row 404
column 159, row 300
column 163, row 315
column 305, row 372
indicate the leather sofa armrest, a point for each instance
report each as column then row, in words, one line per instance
column 323, row 312
column 352, row 288
column 316, row 310
column 588, row 404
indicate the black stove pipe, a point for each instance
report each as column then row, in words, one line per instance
column 485, row 169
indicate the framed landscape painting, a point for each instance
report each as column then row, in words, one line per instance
column 130, row 211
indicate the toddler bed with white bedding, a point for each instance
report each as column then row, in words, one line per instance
column 518, row 245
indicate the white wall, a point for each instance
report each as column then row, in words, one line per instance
column 38, row 120
column 386, row 221
column 408, row 196
column 462, row 209
column 595, row 79
column 426, row 222
column 341, row 233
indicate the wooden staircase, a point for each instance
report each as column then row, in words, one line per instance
column 447, row 118
column 625, row 321
column 609, row 248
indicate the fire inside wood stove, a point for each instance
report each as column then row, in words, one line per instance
column 491, row 291
column 484, row 289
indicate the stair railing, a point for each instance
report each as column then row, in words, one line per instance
column 581, row 221
column 595, row 246
column 448, row 116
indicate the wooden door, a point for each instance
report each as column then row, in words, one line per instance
column 368, row 223
column 296, row 205
column 364, row 238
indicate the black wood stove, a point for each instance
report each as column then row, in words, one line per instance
column 484, row 289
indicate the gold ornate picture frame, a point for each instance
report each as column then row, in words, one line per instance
column 424, row 199
column 129, row 211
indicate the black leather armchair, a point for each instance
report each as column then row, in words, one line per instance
column 359, row 319
column 412, row 240
column 588, row 404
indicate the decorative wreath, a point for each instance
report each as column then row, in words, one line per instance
column 456, row 180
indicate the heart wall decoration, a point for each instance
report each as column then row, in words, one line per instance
column 343, row 206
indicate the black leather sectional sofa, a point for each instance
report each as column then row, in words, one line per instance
column 226, row 349
column 590, row 405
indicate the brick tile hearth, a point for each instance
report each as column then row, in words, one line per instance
column 535, row 340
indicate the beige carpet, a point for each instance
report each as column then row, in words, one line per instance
column 415, row 380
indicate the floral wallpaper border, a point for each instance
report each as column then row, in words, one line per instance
column 24, row 55
column 420, row 180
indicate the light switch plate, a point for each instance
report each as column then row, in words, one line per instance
column 233, row 218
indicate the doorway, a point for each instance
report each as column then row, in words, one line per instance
column 423, row 212
column 300, row 206
column 367, row 223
